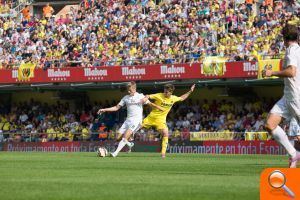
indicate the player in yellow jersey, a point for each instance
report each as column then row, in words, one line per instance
column 157, row 118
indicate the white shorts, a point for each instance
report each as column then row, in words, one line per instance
column 294, row 128
column 287, row 109
column 132, row 125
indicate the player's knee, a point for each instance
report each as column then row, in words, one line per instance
column 165, row 133
column 270, row 126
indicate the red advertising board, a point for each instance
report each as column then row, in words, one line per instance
column 127, row 73
column 57, row 146
column 199, row 147
column 42, row 146
column 228, row 147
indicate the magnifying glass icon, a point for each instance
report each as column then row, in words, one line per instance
column 277, row 180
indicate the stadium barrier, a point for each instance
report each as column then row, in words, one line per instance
column 204, row 147
column 126, row 73
column 228, row 147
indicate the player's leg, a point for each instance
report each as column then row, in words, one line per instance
column 280, row 110
column 123, row 142
column 164, row 131
column 122, row 131
column 119, row 137
column 145, row 124
column 127, row 129
column 130, row 138
column 162, row 128
column 272, row 126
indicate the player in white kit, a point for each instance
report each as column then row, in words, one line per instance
column 288, row 106
column 294, row 131
column 134, row 115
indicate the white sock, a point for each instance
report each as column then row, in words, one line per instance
column 122, row 143
column 280, row 136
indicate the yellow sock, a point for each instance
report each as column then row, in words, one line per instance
column 164, row 145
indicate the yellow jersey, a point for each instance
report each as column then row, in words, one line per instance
column 165, row 103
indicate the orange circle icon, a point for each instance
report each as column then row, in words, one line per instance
column 277, row 179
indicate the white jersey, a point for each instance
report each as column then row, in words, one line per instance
column 134, row 106
column 292, row 85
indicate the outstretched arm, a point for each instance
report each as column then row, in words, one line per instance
column 153, row 105
column 145, row 99
column 186, row 95
column 290, row 72
column 111, row 109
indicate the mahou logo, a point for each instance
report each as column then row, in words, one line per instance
column 95, row 74
column 58, row 73
column 247, row 67
column 133, row 73
column 250, row 68
column 172, row 71
column 128, row 71
column 14, row 73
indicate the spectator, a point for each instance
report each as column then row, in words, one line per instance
column 48, row 11
column 26, row 13
column 34, row 121
column 117, row 33
column 259, row 122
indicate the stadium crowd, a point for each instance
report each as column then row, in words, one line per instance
column 35, row 121
column 114, row 32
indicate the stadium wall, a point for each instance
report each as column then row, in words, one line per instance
column 204, row 147
column 210, row 93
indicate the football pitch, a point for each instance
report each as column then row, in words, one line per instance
column 72, row 176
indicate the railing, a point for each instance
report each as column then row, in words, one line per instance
column 98, row 63
column 16, row 8
column 187, row 58
column 20, row 4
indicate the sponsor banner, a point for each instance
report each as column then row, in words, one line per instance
column 75, row 146
column 227, row 147
column 271, row 64
column 204, row 147
column 58, row 146
column 42, row 146
column 214, row 66
column 256, row 136
column 203, row 136
column 128, row 73
column 26, row 71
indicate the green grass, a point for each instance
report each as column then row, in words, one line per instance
column 73, row 176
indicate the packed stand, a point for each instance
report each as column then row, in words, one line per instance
column 107, row 32
column 6, row 8
column 35, row 121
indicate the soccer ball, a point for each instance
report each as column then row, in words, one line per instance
column 102, row 152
